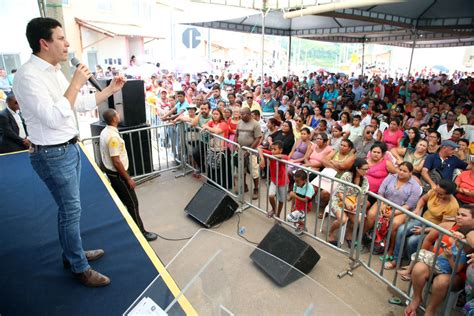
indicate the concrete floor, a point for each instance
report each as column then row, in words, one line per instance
column 162, row 201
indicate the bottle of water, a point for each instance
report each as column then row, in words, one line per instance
column 242, row 230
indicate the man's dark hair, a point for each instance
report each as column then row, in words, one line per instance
column 10, row 98
column 109, row 115
column 40, row 28
column 180, row 93
column 206, row 103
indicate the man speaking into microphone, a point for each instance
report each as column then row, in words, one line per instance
column 47, row 101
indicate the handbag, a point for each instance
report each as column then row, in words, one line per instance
column 214, row 158
column 427, row 257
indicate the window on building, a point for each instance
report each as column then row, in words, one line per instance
column 10, row 61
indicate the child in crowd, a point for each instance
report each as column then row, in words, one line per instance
column 356, row 130
column 301, row 196
column 278, row 177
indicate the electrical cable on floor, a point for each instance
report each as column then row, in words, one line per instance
column 174, row 239
column 187, row 238
column 241, row 235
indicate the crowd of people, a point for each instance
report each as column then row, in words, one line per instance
column 411, row 142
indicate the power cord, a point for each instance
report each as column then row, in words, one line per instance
column 241, row 235
column 187, row 238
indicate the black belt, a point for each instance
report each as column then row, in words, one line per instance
column 71, row 141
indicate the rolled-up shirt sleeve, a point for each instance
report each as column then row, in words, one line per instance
column 40, row 103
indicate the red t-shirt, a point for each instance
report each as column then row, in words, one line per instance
column 281, row 169
column 223, row 126
column 465, row 182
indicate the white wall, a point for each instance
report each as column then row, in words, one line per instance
column 15, row 15
column 114, row 48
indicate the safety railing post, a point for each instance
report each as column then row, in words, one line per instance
column 240, row 175
column 182, row 146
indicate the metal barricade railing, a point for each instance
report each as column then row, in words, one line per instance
column 214, row 158
column 224, row 163
column 365, row 249
column 323, row 199
column 151, row 150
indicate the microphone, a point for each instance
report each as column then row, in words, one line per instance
column 75, row 62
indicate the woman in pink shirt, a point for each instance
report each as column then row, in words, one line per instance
column 321, row 149
column 393, row 135
column 380, row 165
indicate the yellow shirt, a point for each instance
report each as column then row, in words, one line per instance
column 298, row 133
column 255, row 106
column 112, row 145
column 437, row 209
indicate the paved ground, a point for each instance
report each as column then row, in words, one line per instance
column 162, row 203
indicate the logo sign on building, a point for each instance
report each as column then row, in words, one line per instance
column 191, row 37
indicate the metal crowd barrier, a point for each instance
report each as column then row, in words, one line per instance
column 213, row 157
column 313, row 226
column 151, row 150
column 223, row 163
column 363, row 253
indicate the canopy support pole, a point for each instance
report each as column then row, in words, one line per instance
column 363, row 54
column 411, row 61
column 289, row 54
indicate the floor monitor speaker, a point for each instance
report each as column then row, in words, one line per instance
column 211, row 205
column 293, row 251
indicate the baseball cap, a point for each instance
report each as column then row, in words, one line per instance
column 449, row 143
column 364, row 106
column 192, row 106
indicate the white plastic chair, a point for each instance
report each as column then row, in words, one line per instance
column 342, row 228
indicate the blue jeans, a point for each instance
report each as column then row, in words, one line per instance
column 411, row 240
column 60, row 168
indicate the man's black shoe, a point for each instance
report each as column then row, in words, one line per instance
column 149, row 236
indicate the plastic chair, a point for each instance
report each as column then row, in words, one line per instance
column 451, row 302
column 342, row 228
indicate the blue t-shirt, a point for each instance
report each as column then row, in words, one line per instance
column 443, row 263
column 268, row 106
column 331, row 95
column 181, row 106
column 446, row 168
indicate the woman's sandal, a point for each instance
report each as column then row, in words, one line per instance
column 396, row 301
column 387, row 258
column 333, row 242
column 271, row 214
column 389, row 265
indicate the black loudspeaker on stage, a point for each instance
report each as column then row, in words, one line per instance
column 129, row 102
column 211, row 206
column 293, row 251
